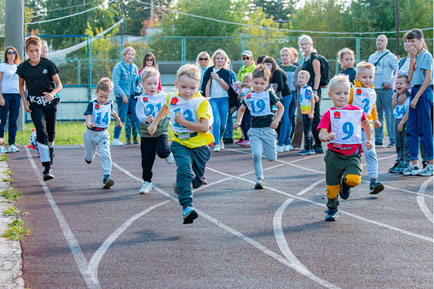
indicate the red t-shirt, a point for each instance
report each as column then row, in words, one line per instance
column 345, row 149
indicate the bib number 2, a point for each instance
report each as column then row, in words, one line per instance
column 366, row 105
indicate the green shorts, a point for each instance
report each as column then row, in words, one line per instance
column 338, row 164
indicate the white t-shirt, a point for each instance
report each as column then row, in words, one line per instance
column 9, row 82
column 217, row 90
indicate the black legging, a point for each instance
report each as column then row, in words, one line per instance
column 151, row 146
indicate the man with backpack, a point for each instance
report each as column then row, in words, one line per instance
column 319, row 71
column 385, row 63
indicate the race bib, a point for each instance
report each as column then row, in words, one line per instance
column 400, row 110
column 153, row 104
column 101, row 114
column 364, row 98
column 188, row 108
column 347, row 126
column 258, row 103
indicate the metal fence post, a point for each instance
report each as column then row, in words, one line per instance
column 89, row 67
column 78, row 70
column 357, row 49
column 183, row 50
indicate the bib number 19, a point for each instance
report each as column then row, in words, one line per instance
column 259, row 106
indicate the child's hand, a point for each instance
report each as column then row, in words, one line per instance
column 274, row 124
column 90, row 125
column 48, row 96
column 151, row 129
column 237, row 125
column 329, row 137
column 2, row 101
column 179, row 118
column 400, row 127
column 311, row 115
column 2, row 141
column 26, row 105
column 377, row 123
column 119, row 124
column 368, row 144
column 413, row 103
column 149, row 119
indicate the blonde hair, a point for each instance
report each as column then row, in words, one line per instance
column 128, row 49
column 33, row 40
column 306, row 38
column 304, row 72
column 149, row 71
column 189, row 70
column 222, row 53
column 201, row 55
column 285, row 49
column 338, row 79
column 105, row 84
column 364, row 66
column 248, row 75
column 341, row 54
column 261, row 72
column 293, row 51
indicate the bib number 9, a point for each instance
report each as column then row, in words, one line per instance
column 188, row 115
column 259, row 106
column 104, row 120
column 348, row 130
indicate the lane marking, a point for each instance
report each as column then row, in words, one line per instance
column 342, row 211
column 87, row 274
column 97, row 256
column 283, row 244
column 421, row 200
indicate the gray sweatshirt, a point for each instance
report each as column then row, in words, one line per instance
column 385, row 68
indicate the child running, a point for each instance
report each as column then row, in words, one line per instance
column 98, row 114
column 400, row 104
column 307, row 105
column 363, row 96
column 419, row 125
column 341, row 126
column 246, row 87
column 148, row 106
column 262, row 133
column 191, row 118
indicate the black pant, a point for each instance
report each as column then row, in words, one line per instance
column 315, row 123
column 44, row 119
column 11, row 107
column 150, row 146
column 307, row 129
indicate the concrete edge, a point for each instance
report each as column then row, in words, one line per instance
column 10, row 251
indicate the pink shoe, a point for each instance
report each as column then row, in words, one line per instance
column 245, row 143
column 238, row 142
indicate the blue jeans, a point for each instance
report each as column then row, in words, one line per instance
column 11, row 107
column 220, row 109
column 229, row 132
column 285, row 125
column 123, row 112
column 262, row 140
column 291, row 112
column 371, row 157
column 384, row 103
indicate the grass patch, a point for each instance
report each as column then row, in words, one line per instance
column 11, row 194
column 11, row 211
column 17, row 230
column 8, row 172
column 3, row 158
column 8, row 180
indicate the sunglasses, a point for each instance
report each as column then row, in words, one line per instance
column 11, row 52
column 246, row 58
column 203, row 59
column 150, row 59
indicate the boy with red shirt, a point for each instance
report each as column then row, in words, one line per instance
column 341, row 126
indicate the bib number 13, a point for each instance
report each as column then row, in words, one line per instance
column 348, row 130
column 188, row 115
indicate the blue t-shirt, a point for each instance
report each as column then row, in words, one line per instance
column 351, row 72
column 424, row 61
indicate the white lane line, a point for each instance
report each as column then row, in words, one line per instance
column 322, row 205
column 97, row 256
column 231, row 230
column 87, row 274
column 283, row 245
column 421, row 200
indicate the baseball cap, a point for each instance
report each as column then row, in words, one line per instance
column 248, row 53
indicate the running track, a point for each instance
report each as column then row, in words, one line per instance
column 87, row 237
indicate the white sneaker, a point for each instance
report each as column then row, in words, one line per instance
column 13, row 149
column 170, row 159
column 146, row 188
column 287, row 148
column 222, row 144
column 279, row 149
column 411, row 171
column 3, row 150
column 427, row 171
column 217, row 148
column 291, row 147
column 117, row 143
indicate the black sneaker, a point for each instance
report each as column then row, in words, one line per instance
column 378, row 143
column 318, row 149
column 344, row 193
column 228, row 141
column 331, row 215
column 48, row 175
column 87, row 162
column 375, row 187
column 424, row 164
column 108, row 182
column 394, row 169
column 259, row 185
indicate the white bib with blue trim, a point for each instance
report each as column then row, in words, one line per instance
column 259, row 103
column 153, row 104
column 400, row 110
column 347, row 126
column 188, row 108
column 364, row 98
column 101, row 114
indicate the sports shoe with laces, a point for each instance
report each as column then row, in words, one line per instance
column 245, row 143
column 279, row 149
column 411, row 171
column 48, row 174
column 107, row 182
column 146, row 188
column 3, row 150
column 375, row 187
column 222, row 144
column 170, row 158
column 395, row 168
column 344, row 193
column 259, row 185
column 318, row 150
column 117, row 143
column 427, row 171
column 217, row 148
column 189, row 214
column 13, row 149
column 287, row 148
column 331, row 215
column 304, row 152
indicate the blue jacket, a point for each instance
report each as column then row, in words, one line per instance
column 124, row 81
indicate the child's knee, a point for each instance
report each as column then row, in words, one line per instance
column 353, row 180
column 256, row 156
column 333, row 191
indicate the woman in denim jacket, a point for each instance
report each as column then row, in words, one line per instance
column 126, row 80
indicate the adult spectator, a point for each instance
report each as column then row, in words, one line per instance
column 229, row 132
column 44, row 50
column 149, row 61
column 248, row 67
column 385, row 63
column 126, row 81
column 312, row 64
column 202, row 61
column 215, row 85
column 9, row 97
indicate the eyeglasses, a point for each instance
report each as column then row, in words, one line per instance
column 203, row 59
column 150, row 59
column 11, row 52
column 246, row 58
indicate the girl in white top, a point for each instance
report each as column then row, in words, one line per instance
column 9, row 97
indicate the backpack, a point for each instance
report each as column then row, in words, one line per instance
column 325, row 70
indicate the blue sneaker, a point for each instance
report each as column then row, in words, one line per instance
column 189, row 214
column 331, row 215
column 306, row 152
column 344, row 193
